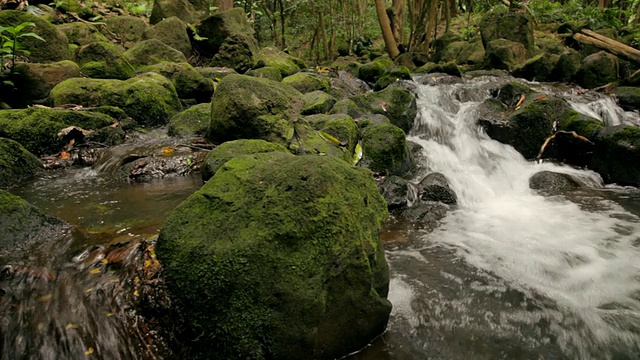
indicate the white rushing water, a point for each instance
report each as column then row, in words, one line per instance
column 586, row 261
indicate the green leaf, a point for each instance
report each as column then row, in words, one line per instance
column 357, row 155
column 329, row 138
column 33, row 35
column 8, row 82
column 24, row 25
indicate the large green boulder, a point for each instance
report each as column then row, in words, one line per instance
column 598, row 69
column 217, row 157
column 267, row 72
column 278, row 257
column 512, row 26
column 317, row 102
column 504, row 54
column 228, row 40
column 308, row 140
column 192, row 122
column 342, row 128
column 150, row 99
column 392, row 75
column 305, row 82
column 370, row 72
column 103, row 60
column 616, row 156
column 189, row 83
column 81, row 33
column 37, row 128
column 447, row 47
column 567, row 66
column 54, row 48
column 173, row 32
column 451, row 52
column 399, row 105
column 164, row 9
column 628, row 97
column 245, row 107
column 125, row 30
column 149, row 52
column 34, row 81
column 26, row 229
column 16, row 163
column 287, row 64
column 537, row 68
column 384, row 149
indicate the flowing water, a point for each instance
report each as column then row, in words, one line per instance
column 511, row 274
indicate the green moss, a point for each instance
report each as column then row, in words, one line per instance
column 305, row 82
column 35, row 81
column 80, row 33
column 102, row 60
column 317, row 102
column 163, row 9
column 598, row 69
column 538, row 68
column 149, row 99
column 188, row 82
column 385, row 150
column 567, row 66
column 278, row 257
column 504, row 54
column 344, row 129
column 370, row 72
column 233, row 149
column 149, row 52
column 347, row 106
column 127, row 30
column 628, row 97
column 193, row 121
column 308, row 140
column 534, row 124
column 268, row 72
column 16, row 163
column 586, row 126
column 391, row 76
column 399, row 105
column 109, row 136
column 54, row 48
column 617, row 155
column 173, row 32
column 287, row 64
column 512, row 26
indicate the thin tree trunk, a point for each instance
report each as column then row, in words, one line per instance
column 397, row 20
column 610, row 45
column 385, row 27
column 282, row 24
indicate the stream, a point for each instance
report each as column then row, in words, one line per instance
column 508, row 274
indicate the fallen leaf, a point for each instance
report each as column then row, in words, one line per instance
column 109, row 314
column 104, row 261
column 135, row 293
column 64, row 155
column 522, row 97
column 94, row 271
column 167, row 151
column 89, row 351
column 45, row 298
column 88, row 290
column 71, row 326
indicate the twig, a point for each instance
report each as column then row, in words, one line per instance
column 573, row 133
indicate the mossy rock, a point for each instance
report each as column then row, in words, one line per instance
column 598, row 69
column 35, row 81
column 164, row 9
column 171, row 31
column 450, row 68
column 278, row 257
column 26, row 229
column 37, row 128
column 504, row 54
column 245, row 107
column 287, row 64
column 617, row 155
column 348, row 63
column 399, row 105
column 126, row 30
column 188, row 82
column 268, row 72
column 510, row 93
column 538, row 68
column 344, row 129
column 451, row 52
column 110, row 136
column 369, row 120
column 80, row 33
column 150, row 99
column 193, row 121
column 471, row 54
column 567, row 66
column 54, row 48
column 445, row 45
column 305, row 82
column 384, row 150
column 317, row 102
column 103, row 60
column 149, row 52
column 405, row 60
column 512, row 26
column 215, row 73
column 549, row 43
column 16, row 163
column 628, row 97
column 392, row 75
column 217, row 157
column 349, row 107
column 309, row 141
column 370, row 72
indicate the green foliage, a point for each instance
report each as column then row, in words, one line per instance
column 577, row 11
column 12, row 47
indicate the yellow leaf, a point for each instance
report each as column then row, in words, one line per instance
column 45, row 298
column 135, row 293
column 88, row 290
column 89, row 351
column 357, row 156
column 109, row 314
column 104, row 261
column 71, row 326
column 147, row 263
column 329, row 138
column 94, row 271
column 167, row 151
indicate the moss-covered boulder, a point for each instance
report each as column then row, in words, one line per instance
column 370, row 72
column 193, row 121
column 103, row 60
column 538, row 68
column 189, row 83
column 511, row 92
column 305, row 82
column 450, row 68
column 35, row 81
column 451, row 52
column 54, row 48
column 149, row 52
column 504, row 54
column 447, row 45
column 287, row 64
column 126, row 30
column 598, row 69
column 171, row 31
column 81, row 33
column 310, row 141
column 628, row 97
column 16, row 163
column 215, row 73
column 399, row 105
column 344, row 129
column 384, row 149
column 471, row 54
column 392, row 75
column 229, row 40
column 37, row 128
column 164, row 9
column 349, row 107
column 109, row 136
column 346, row 86
column 267, row 72
column 278, row 257
column 508, row 25
column 406, row 60
column 317, row 102
column 24, row 227
column 150, row 99
column 217, row 157
column 245, row 107
column 567, row 66
column 616, row 155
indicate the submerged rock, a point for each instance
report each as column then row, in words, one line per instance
column 394, row 189
column 551, row 183
column 278, row 257
column 16, row 163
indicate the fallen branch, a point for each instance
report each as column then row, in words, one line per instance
column 573, row 133
column 615, row 47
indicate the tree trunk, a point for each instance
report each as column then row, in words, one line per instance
column 282, row 25
column 225, row 5
column 385, row 27
column 397, row 20
column 610, row 45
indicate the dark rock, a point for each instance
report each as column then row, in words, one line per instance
column 16, row 163
column 394, row 189
column 551, row 183
column 504, row 54
column 617, row 155
column 427, row 215
column 110, row 136
column 537, row 68
column 598, row 69
column 628, row 97
column 512, row 26
column 567, row 66
column 435, row 187
column 510, row 93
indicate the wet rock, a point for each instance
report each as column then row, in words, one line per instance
column 427, row 215
column 81, row 33
column 370, row 72
column 399, row 105
column 598, row 69
column 35, row 81
column 252, row 108
column 570, row 149
column 178, row 163
column 16, row 163
column 125, row 30
column 444, row 45
column 164, row 9
column 450, row 68
column 512, row 26
column 551, row 183
column 435, row 187
column 54, row 48
column 628, row 97
column 150, row 99
column 510, row 93
column 385, row 150
column 171, row 31
column 193, row 121
column 233, row 149
column 317, row 102
column 537, row 68
column 302, row 231
column 504, row 54
column 394, row 189
column 188, row 82
column 617, row 155
column 149, row 52
column 288, row 65
column 103, row 60
column 109, row 136
column 267, row 72
column 391, row 76
column 567, row 66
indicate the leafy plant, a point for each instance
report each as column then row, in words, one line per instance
column 10, row 39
